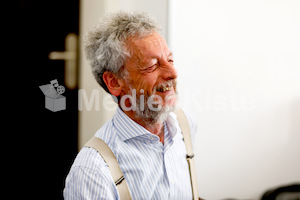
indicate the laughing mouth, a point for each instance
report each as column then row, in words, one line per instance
column 167, row 86
column 163, row 89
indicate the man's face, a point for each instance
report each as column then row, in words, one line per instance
column 150, row 70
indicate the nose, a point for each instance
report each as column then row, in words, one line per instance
column 169, row 72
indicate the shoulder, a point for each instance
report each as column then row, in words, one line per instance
column 190, row 118
column 89, row 158
column 191, row 122
column 90, row 177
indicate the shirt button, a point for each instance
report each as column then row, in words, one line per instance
column 151, row 137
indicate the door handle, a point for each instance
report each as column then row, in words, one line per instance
column 70, row 58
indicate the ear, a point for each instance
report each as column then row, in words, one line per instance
column 113, row 83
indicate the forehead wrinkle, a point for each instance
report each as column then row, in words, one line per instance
column 141, row 49
column 134, row 50
column 159, row 42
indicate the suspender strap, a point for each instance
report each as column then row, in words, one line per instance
column 184, row 125
column 113, row 165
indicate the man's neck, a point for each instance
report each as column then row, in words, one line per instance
column 156, row 129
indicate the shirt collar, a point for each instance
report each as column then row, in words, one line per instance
column 127, row 128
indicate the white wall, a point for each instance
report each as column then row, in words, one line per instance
column 93, row 117
column 239, row 67
column 238, row 64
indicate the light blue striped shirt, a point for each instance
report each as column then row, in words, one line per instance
column 153, row 170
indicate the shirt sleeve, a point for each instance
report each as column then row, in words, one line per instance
column 87, row 184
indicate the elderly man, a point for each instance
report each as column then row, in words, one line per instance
column 132, row 62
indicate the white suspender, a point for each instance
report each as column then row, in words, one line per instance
column 185, row 129
column 117, row 174
column 113, row 165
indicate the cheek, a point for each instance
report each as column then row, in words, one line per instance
column 146, row 83
column 149, row 84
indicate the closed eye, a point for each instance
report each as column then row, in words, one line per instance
column 152, row 68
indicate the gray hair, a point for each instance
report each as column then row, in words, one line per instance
column 105, row 43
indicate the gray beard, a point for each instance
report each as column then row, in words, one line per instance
column 151, row 116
